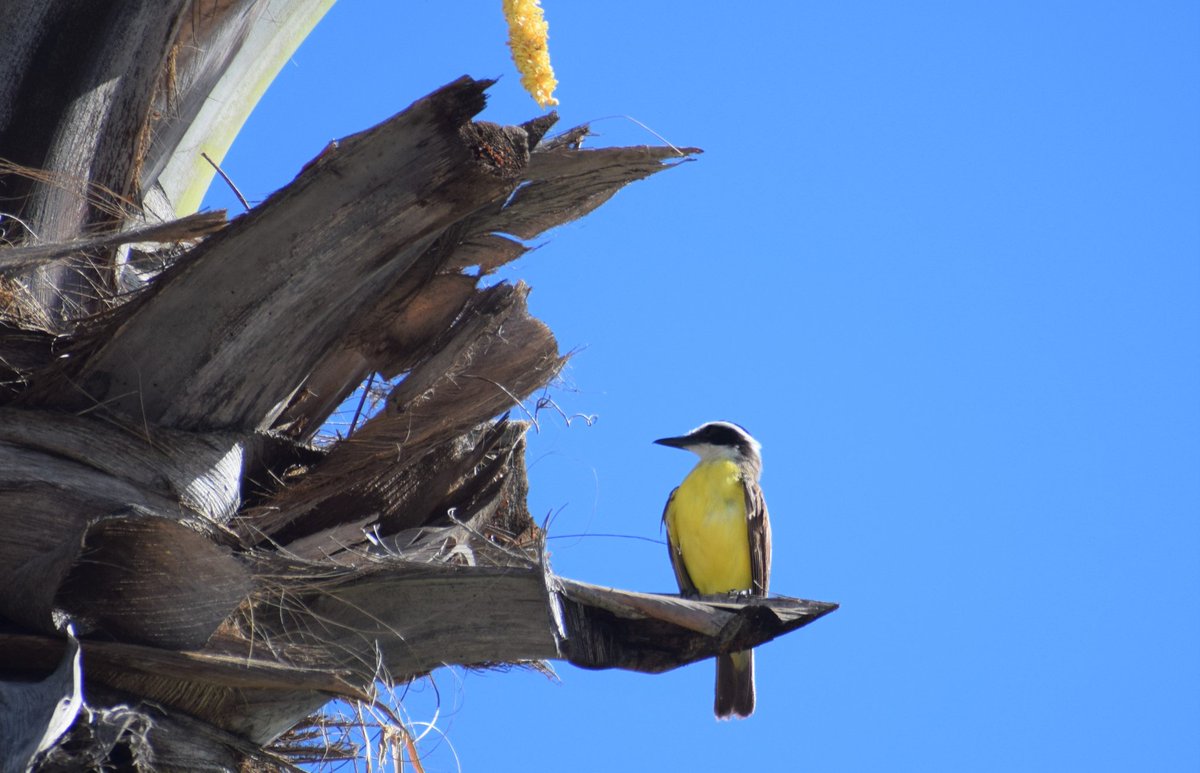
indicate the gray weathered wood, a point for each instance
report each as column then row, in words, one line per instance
column 87, row 135
column 274, row 286
column 34, row 715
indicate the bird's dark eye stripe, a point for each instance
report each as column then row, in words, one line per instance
column 721, row 435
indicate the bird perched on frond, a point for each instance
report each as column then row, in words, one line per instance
column 719, row 538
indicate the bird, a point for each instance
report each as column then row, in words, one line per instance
column 719, row 538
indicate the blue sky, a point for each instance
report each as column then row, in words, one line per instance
column 943, row 260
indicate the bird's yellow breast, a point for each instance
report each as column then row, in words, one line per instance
column 706, row 521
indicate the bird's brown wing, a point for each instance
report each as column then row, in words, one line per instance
column 686, row 586
column 758, row 529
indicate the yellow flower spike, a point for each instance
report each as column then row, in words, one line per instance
column 527, row 33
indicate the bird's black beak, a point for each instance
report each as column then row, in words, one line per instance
column 673, row 442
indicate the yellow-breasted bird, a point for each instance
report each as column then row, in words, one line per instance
column 719, row 538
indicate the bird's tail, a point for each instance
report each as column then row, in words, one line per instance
column 735, row 685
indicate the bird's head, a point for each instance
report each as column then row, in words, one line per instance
column 718, row 440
